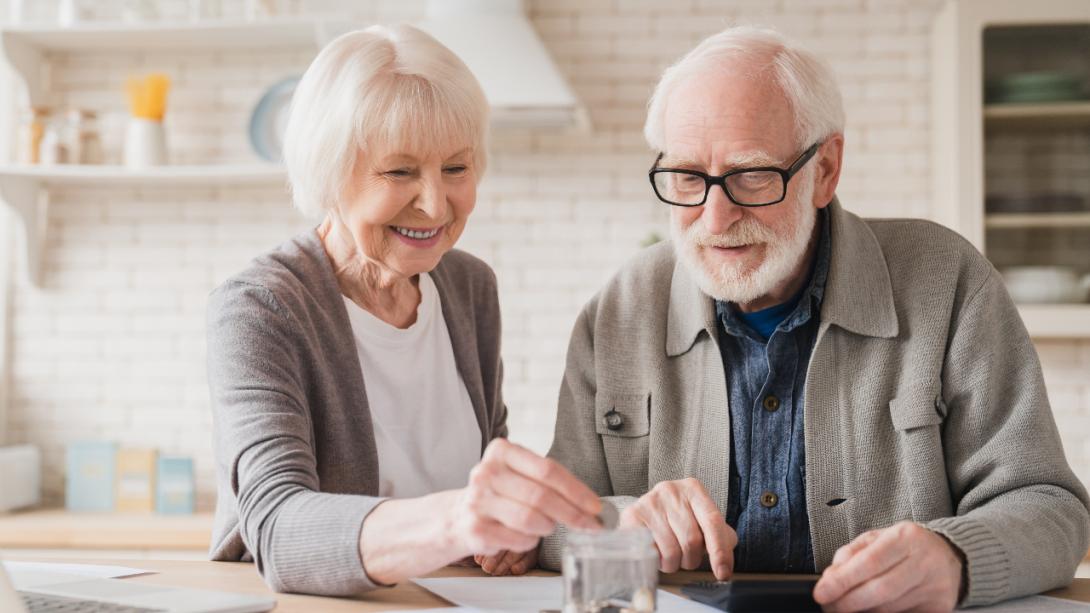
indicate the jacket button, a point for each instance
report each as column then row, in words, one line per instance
column 769, row 500
column 771, row 403
column 614, row 420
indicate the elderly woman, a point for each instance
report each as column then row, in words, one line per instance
column 355, row 370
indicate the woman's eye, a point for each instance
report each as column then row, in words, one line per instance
column 455, row 170
column 399, row 173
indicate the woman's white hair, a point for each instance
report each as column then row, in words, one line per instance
column 382, row 87
column 805, row 79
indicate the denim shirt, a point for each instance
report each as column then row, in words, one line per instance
column 765, row 383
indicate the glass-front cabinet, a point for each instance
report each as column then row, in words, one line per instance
column 1011, row 102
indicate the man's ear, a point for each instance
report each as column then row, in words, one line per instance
column 828, row 160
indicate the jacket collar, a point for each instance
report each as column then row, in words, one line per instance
column 858, row 292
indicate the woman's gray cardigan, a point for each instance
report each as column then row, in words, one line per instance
column 296, row 464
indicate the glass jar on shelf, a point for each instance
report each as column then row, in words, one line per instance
column 84, row 143
column 54, row 148
column 31, row 130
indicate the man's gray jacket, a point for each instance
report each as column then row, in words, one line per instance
column 924, row 401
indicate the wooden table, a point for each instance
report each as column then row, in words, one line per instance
column 243, row 578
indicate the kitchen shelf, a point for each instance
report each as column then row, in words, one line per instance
column 25, row 46
column 1018, row 221
column 1056, row 320
column 26, row 190
column 73, row 174
column 1054, row 114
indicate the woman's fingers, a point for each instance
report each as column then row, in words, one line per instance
column 512, row 514
column 524, row 564
column 488, row 563
column 515, row 486
column 504, row 566
column 489, row 537
column 548, row 473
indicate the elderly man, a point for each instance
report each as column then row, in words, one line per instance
column 790, row 388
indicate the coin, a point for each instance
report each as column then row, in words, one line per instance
column 609, row 516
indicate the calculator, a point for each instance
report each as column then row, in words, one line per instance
column 746, row 595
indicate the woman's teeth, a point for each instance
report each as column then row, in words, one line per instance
column 418, row 235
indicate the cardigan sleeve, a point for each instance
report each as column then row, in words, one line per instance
column 1021, row 519
column 301, row 539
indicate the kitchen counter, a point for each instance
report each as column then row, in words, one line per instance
column 60, row 529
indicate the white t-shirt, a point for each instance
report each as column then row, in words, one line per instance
column 426, row 430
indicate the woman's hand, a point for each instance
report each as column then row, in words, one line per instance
column 506, row 563
column 514, row 498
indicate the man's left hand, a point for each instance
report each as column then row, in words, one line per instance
column 905, row 567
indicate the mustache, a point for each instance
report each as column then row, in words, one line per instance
column 745, row 231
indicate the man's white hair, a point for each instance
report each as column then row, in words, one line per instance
column 805, row 79
column 382, row 87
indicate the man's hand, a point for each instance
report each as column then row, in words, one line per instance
column 900, row 568
column 507, row 562
column 686, row 524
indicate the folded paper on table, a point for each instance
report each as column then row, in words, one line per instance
column 33, row 574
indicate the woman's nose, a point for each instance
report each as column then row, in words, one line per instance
column 432, row 199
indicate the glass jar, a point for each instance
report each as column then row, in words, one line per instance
column 31, row 132
column 610, row 570
column 84, row 144
column 53, row 147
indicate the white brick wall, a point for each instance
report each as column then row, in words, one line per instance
column 112, row 345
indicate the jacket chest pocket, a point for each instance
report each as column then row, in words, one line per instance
column 622, row 421
column 917, row 417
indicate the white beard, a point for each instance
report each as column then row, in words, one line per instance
column 739, row 282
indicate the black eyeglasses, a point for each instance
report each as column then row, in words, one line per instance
column 761, row 186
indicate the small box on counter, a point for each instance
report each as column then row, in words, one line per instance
column 136, row 480
column 175, row 486
column 22, row 470
column 90, row 476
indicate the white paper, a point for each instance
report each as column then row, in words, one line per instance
column 531, row 594
column 32, row 574
column 446, row 610
column 1037, row 604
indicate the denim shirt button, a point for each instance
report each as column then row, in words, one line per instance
column 769, row 500
column 771, row 403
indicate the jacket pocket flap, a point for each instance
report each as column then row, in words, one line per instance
column 624, row 414
column 916, row 408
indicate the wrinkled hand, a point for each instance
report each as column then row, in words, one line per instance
column 905, row 567
column 685, row 524
column 507, row 562
column 514, row 498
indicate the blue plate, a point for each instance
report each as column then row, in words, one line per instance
column 270, row 118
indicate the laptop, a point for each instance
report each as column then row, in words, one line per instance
column 45, row 592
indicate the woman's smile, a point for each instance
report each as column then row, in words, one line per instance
column 418, row 237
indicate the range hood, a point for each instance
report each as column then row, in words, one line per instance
column 521, row 81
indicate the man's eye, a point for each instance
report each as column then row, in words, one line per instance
column 689, row 181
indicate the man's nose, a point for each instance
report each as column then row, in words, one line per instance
column 719, row 212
